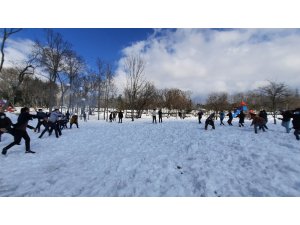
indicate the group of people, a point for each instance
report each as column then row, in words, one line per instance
column 51, row 121
column 113, row 116
column 259, row 121
column 154, row 114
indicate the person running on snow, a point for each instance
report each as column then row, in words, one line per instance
column 242, row 118
column 20, row 131
column 53, row 124
column 286, row 119
column 160, row 116
column 154, row 116
column 222, row 116
column 41, row 120
column 264, row 115
column 210, row 121
column 257, row 121
column 200, row 114
column 229, row 121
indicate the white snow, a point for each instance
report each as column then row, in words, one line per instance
column 175, row 158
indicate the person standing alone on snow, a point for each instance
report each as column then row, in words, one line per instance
column 200, row 114
column 20, row 131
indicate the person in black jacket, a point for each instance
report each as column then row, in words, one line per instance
column 263, row 114
column 5, row 125
column 41, row 120
column 120, row 116
column 296, row 123
column 159, row 116
column 20, row 131
column 286, row 119
column 242, row 118
column 229, row 121
column 200, row 114
column 210, row 121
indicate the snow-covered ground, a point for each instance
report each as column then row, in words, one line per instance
column 175, row 158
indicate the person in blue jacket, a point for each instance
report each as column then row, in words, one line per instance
column 222, row 116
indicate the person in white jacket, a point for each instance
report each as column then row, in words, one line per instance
column 154, row 113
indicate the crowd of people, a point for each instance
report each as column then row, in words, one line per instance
column 54, row 121
column 57, row 121
column 259, row 120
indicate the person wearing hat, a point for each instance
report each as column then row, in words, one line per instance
column 20, row 131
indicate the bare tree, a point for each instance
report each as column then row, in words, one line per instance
column 276, row 94
column 73, row 65
column 176, row 99
column 7, row 32
column 98, row 82
column 134, row 68
column 14, row 78
column 108, row 88
column 51, row 56
column 217, row 102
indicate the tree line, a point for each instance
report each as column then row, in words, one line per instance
column 55, row 75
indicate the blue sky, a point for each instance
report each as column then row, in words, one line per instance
column 197, row 60
column 90, row 43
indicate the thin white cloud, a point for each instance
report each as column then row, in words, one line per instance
column 17, row 51
column 205, row 60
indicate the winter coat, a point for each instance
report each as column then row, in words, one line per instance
column 120, row 115
column 160, row 113
column 74, row 119
column 41, row 116
column 222, row 115
column 258, row 121
column 54, row 116
column 23, row 121
column 200, row 114
column 211, row 117
column 154, row 113
column 286, row 116
column 296, row 121
column 264, row 115
column 242, row 117
column 230, row 115
column 5, row 123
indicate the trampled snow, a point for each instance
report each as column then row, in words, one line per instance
column 175, row 158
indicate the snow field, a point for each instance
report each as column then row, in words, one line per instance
column 175, row 158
